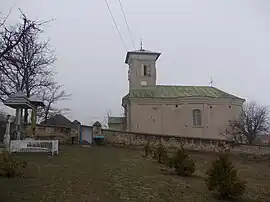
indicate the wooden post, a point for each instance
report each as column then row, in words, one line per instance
column 34, row 120
column 18, row 123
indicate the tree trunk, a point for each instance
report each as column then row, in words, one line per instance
column 27, row 95
column 250, row 140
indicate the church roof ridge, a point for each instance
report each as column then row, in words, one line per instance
column 176, row 85
column 175, row 91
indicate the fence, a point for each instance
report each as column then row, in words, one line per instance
column 34, row 146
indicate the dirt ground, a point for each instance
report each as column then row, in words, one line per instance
column 116, row 174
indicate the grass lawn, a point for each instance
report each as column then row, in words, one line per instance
column 116, row 174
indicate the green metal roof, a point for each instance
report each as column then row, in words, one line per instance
column 164, row 91
column 113, row 119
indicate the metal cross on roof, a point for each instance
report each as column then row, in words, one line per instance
column 211, row 82
column 141, row 44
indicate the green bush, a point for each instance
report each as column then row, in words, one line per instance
column 182, row 163
column 223, row 178
column 9, row 166
column 161, row 154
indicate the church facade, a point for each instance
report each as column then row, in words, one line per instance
column 193, row 111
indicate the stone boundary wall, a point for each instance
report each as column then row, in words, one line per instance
column 123, row 138
column 53, row 132
column 46, row 132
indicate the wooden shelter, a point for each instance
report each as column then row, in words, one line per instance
column 19, row 101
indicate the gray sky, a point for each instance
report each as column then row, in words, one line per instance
column 228, row 40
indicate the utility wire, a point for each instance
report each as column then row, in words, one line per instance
column 115, row 24
column 156, row 12
column 122, row 9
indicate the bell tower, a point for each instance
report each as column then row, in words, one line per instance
column 141, row 68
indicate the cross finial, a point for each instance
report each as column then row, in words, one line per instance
column 211, row 82
column 141, row 43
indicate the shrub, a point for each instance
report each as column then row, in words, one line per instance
column 154, row 153
column 183, row 164
column 147, row 149
column 10, row 167
column 223, row 178
column 161, row 154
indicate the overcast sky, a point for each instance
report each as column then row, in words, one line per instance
column 228, row 40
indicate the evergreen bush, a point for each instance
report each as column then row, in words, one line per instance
column 161, row 154
column 223, row 178
column 147, row 149
column 182, row 163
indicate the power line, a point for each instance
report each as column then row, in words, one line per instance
column 122, row 9
column 118, row 31
column 156, row 12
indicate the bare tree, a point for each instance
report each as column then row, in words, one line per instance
column 253, row 121
column 10, row 36
column 51, row 96
column 28, row 66
column 106, row 118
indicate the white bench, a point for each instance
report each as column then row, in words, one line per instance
column 34, row 146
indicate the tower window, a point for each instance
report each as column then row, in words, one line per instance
column 146, row 71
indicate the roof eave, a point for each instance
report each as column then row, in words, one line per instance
column 141, row 53
column 125, row 99
column 17, row 105
column 38, row 103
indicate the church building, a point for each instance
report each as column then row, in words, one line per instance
column 195, row 111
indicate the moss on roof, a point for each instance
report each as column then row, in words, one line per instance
column 164, row 91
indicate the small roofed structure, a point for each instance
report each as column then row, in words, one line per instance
column 18, row 101
column 98, row 138
column 97, row 124
column 34, row 100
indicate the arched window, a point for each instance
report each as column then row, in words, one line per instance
column 197, row 117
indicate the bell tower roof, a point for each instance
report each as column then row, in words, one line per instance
column 141, row 52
